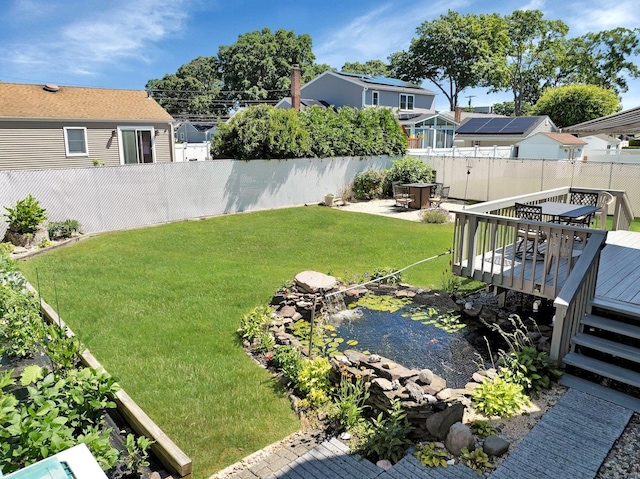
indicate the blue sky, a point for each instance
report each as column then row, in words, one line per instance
column 124, row 43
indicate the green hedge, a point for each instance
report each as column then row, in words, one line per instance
column 265, row 132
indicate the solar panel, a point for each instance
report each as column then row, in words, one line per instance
column 519, row 125
column 472, row 125
column 389, row 82
column 494, row 125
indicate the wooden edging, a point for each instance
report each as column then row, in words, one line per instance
column 169, row 454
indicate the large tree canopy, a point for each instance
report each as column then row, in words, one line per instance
column 453, row 51
column 376, row 68
column 573, row 104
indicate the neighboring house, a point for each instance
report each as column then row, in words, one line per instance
column 551, row 146
column 500, row 131
column 601, row 142
column 414, row 105
column 61, row 127
column 188, row 132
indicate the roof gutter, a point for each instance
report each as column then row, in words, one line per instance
column 364, row 95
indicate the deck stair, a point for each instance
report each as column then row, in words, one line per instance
column 607, row 346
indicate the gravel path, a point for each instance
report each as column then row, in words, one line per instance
column 623, row 461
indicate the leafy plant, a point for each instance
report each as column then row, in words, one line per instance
column 21, row 328
column 499, row 398
column 325, row 340
column 429, row 455
column 388, row 439
column 63, row 229
column 476, row 460
column 408, row 169
column 383, row 302
column 64, row 351
column 137, row 453
column 289, row 361
column 482, row 428
column 265, row 342
column 368, row 184
column 436, row 216
column 255, row 322
column 313, row 380
column 45, row 243
column 450, row 283
column 6, row 249
column 530, row 368
column 386, row 276
column 350, row 399
column 26, row 216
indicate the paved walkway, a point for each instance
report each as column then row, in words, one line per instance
column 570, row 442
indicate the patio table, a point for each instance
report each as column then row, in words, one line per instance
column 559, row 211
column 421, row 192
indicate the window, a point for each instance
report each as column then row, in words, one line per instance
column 406, row 102
column 375, row 98
column 136, row 145
column 75, row 141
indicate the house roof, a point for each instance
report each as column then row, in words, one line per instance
column 564, row 138
column 627, row 122
column 22, row 101
column 469, row 114
column 498, row 126
column 376, row 83
column 414, row 118
column 303, row 102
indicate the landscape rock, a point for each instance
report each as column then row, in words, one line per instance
column 438, row 424
column 425, row 377
column 415, row 392
column 495, row 446
column 313, row 281
column 437, row 385
column 286, row 312
column 384, row 464
column 458, row 438
column 384, row 384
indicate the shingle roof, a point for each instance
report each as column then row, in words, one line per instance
column 627, row 121
column 34, row 102
column 564, row 138
column 382, row 83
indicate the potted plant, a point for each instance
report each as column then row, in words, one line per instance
column 24, row 223
column 328, row 199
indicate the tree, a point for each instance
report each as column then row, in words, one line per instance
column 258, row 66
column 194, row 89
column 600, row 59
column 376, row 68
column 531, row 56
column 573, row 104
column 454, row 52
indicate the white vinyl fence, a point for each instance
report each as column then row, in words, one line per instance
column 192, row 151
column 129, row 196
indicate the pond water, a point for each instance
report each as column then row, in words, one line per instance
column 453, row 355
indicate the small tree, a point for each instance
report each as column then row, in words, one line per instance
column 408, row 169
column 26, row 216
column 569, row 105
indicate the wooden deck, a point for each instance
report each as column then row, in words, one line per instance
column 619, row 270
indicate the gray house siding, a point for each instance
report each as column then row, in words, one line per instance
column 335, row 91
column 41, row 144
column 422, row 103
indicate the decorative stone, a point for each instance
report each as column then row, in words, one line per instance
column 27, row 240
column 438, row 424
column 313, row 281
column 437, row 385
column 389, row 365
column 384, row 464
column 492, row 373
column 445, row 394
column 286, row 312
column 374, row 358
column 155, row 475
column 477, row 377
column 451, row 462
column 415, row 391
column 430, row 399
column 458, row 438
column 384, row 384
column 345, row 436
column 471, row 386
column 426, row 376
column 296, row 317
column 495, row 446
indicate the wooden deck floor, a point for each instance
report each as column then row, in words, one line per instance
column 619, row 272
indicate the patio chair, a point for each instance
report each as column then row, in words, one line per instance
column 562, row 246
column 529, row 237
column 585, row 199
column 402, row 196
column 436, row 189
column 441, row 197
column 604, row 200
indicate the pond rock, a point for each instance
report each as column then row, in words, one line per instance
column 438, row 424
column 426, row 377
column 458, row 438
column 313, row 281
column 495, row 446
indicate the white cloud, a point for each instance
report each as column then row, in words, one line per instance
column 91, row 43
column 379, row 32
column 584, row 17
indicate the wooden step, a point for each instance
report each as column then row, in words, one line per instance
column 602, row 392
column 618, row 307
column 607, row 370
column 618, row 327
column 613, row 348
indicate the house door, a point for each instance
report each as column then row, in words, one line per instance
column 137, row 146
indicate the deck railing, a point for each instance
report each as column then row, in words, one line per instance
column 574, row 299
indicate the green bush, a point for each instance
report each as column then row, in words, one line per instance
column 499, row 398
column 408, row 169
column 313, row 381
column 263, row 131
column 26, row 216
column 530, row 368
column 6, row 249
column 350, row 399
column 255, row 323
column 63, row 229
column 21, row 329
column 388, row 439
column 436, row 216
column 288, row 360
column 368, row 184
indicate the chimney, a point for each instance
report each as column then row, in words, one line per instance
column 457, row 114
column 295, row 87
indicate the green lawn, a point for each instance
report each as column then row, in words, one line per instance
column 159, row 308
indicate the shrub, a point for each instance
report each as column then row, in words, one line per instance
column 368, row 184
column 350, row 399
column 499, row 398
column 289, row 360
column 63, row 229
column 437, row 216
column 408, row 169
column 254, row 323
column 530, row 368
column 313, row 380
column 21, row 329
column 6, row 249
column 388, row 439
column 26, row 216
column 430, row 456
